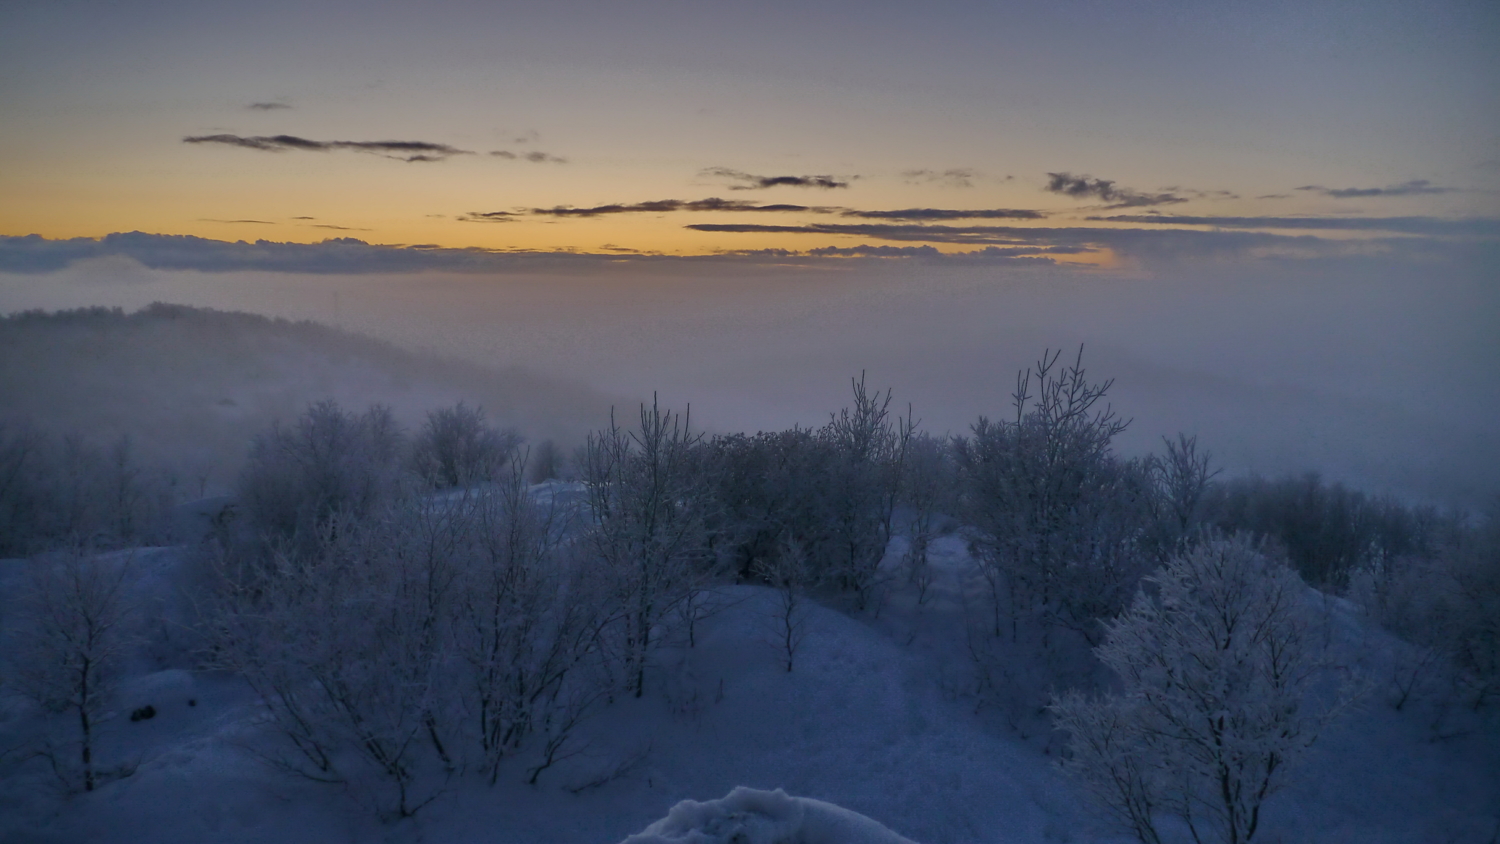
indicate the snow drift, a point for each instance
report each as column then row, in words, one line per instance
column 750, row 816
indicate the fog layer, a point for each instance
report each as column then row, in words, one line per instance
column 1377, row 374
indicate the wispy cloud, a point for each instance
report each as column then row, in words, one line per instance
column 339, row 228
column 988, row 254
column 947, row 214
column 1415, row 187
column 535, row 156
column 740, row 180
column 716, row 204
column 662, row 206
column 930, row 234
column 1084, row 187
column 267, row 106
column 957, row 177
column 256, row 222
column 412, row 151
column 487, row 217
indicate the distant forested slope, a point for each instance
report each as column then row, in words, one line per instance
column 191, row 386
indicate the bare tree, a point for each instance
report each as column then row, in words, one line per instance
column 1182, row 477
column 76, row 628
column 647, row 496
column 864, row 487
column 790, row 575
column 526, row 627
column 926, row 490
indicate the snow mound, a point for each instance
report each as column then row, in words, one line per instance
column 749, row 816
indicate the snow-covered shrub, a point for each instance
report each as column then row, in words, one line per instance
column 1057, row 519
column 77, row 623
column 649, row 498
column 1220, row 692
column 329, row 464
column 456, row 448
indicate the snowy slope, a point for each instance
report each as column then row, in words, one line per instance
column 874, row 720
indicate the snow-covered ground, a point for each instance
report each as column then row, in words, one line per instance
column 879, row 718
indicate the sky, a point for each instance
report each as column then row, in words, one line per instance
column 702, row 128
column 1276, row 224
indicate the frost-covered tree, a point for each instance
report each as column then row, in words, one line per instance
column 76, row 626
column 1057, row 519
column 1220, row 693
column 770, row 487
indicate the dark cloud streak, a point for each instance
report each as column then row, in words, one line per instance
column 750, row 181
column 957, row 177
column 1083, row 187
column 410, row 151
column 535, row 156
column 1415, row 187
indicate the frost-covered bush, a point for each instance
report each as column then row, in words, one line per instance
column 1447, row 607
column 526, row 624
column 456, row 448
column 1327, row 530
column 343, row 643
column 1220, row 693
column 769, row 488
column 329, row 465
